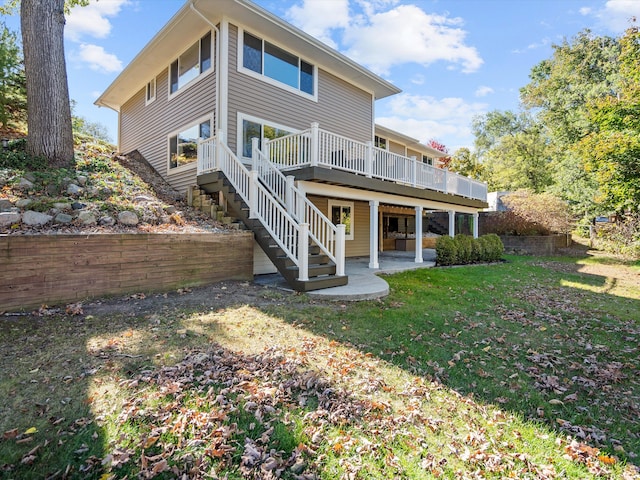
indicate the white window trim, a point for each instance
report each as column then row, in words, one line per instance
column 148, row 101
column 262, row 77
column 342, row 203
column 202, row 75
column 243, row 116
column 192, row 165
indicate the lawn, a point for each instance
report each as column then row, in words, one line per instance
column 524, row 369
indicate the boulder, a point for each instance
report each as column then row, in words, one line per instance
column 127, row 218
column 87, row 218
column 25, row 184
column 63, row 218
column 24, row 202
column 5, row 205
column 74, row 189
column 82, row 180
column 9, row 218
column 35, row 219
column 107, row 221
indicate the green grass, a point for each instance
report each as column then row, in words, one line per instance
column 526, row 369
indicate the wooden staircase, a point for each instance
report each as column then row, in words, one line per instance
column 322, row 271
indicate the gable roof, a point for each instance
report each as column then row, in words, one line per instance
column 409, row 142
column 171, row 40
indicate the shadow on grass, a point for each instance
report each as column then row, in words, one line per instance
column 539, row 338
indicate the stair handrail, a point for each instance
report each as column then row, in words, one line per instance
column 289, row 234
column 328, row 237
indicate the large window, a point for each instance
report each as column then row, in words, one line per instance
column 183, row 146
column 191, row 64
column 341, row 212
column 255, row 128
column 266, row 59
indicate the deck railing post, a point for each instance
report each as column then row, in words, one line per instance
column 289, row 197
column 255, row 150
column 303, row 252
column 253, row 194
column 446, row 180
column 340, row 249
column 314, row 144
column 217, row 162
column 414, row 171
column 368, row 161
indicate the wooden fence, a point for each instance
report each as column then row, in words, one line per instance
column 57, row 269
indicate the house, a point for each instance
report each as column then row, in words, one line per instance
column 232, row 98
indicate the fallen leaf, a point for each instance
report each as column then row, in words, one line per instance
column 30, row 431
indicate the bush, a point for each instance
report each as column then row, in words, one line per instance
column 14, row 157
column 465, row 249
column 494, row 247
column 446, row 251
column 464, row 245
column 510, row 223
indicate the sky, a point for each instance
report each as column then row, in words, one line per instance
column 453, row 59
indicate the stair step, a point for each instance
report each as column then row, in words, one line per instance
column 317, row 270
column 318, row 283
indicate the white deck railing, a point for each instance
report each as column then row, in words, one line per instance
column 328, row 237
column 316, row 147
column 290, row 235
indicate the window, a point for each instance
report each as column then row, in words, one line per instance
column 256, row 128
column 150, row 92
column 266, row 59
column 380, row 142
column 191, row 64
column 183, row 146
column 427, row 160
column 342, row 213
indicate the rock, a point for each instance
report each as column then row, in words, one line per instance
column 24, row 202
column 107, row 221
column 170, row 209
column 142, row 198
column 30, row 177
column 127, row 218
column 35, row 219
column 74, row 189
column 52, row 189
column 5, row 205
column 87, row 218
column 9, row 218
column 93, row 191
column 25, row 184
column 78, row 205
column 62, row 206
column 82, row 180
column 63, row 218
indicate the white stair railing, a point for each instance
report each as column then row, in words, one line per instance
column 290, row 235
column 328, row 237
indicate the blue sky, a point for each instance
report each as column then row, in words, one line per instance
column 453, row 59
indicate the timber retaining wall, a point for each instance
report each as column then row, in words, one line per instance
column 56, row 269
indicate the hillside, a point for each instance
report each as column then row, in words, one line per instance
column 105, row 193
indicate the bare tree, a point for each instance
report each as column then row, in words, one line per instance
column 48, row 111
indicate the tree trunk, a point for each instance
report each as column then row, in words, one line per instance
column 48, row 110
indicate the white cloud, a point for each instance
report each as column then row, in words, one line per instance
column 616, row 14
column 92, row 20
column 483, row 91
column 381, row 34
column 407, row 34
column 319, row 17
column 425, row 117
column 99, row 60
column 585, row 10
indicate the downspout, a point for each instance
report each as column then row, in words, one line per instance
column 217, row 65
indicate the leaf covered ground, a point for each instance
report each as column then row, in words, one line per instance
column 527, row 369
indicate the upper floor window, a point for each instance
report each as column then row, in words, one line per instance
column 150, row 92
column 191, row 64
column 380, row 142
column 266, row 59
column 427, row 160
column 183, row 145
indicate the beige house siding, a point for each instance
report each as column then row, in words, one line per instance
column 359, row 246
column 397, row 148
column 341, row 108
column 146, row 127
column 414, row 153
